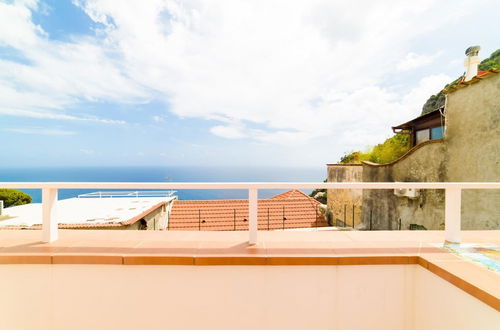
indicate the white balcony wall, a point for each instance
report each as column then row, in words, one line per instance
column 441, row 305
column 399, row 297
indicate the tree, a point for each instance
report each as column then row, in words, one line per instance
column 319, row 194
column 12, row 197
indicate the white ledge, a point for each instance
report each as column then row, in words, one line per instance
column 250, row 185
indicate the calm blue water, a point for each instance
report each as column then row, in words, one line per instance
column 164, row 174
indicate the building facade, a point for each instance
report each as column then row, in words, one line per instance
column 468, row 152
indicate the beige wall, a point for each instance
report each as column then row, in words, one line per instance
column 340, row 201
column 473, row 149
column 469, row 152
column 392, row 297
column 385, row 209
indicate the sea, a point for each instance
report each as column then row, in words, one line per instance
column 165, row 174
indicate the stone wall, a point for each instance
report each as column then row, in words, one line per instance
column 386, row 211
column 345, row 204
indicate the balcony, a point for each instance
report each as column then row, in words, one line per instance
column 68, row 279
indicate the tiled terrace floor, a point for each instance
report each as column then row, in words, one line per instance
column 274, row 248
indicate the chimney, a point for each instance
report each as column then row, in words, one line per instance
column 471, row 62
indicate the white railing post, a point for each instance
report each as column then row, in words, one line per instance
column 252, row 216
column 49, row 220
column 452, row 214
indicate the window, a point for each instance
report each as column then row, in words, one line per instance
column 437, row 132
column 429, row 134
column 423, row 135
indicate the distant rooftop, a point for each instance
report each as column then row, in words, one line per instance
column 292, row 209
column 88, row 213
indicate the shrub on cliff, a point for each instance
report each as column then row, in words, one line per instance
column 12, row 197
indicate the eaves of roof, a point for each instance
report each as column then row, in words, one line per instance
column 481, row 75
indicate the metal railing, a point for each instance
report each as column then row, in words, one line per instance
column 453, row 196
column 137, row 194
column 278, row 217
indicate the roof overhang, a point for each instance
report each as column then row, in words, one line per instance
column 399, row 129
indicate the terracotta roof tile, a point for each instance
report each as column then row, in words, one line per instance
column 480, row 75
column 292, row 209
column 293, row 194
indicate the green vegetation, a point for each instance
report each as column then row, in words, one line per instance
column 13, row 197
column 319, row 195
column 492, row 62
column 437, row 101
column 414, row 226
column 383, row 153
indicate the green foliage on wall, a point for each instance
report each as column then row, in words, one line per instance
column 383, row 153
column 12, row 197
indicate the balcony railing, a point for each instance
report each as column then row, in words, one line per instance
column 136, row 194
column 453, row 196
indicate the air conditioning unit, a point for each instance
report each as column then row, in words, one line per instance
column 411, row 193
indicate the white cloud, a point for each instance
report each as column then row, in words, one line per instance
column 427, row 86
column 414, row 61
column 158, row 119
column 40, row 131
column 43, row 114
column 297, row 72
column 284, row 73
column 230, row 132
column 57, row 75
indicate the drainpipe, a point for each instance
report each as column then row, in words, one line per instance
column 471, row 62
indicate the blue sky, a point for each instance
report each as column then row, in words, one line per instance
column 223, row 82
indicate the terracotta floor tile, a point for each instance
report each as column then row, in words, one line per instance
column 230, row 260
column 25, row 259
column 102, row 246
column 374, row 260
column 230, row 248
column 157, row 260
column 161, row 248
column 302, row 261
column 86, row 259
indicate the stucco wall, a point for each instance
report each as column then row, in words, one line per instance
column 341, row 201
column 469, row 152
column 385, row 209
column 473, row 149
column 156, row 219
column 440, row 306
column 390, row 297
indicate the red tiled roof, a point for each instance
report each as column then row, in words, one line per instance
column 480, row 76
column 294, row 194
column 292, row 209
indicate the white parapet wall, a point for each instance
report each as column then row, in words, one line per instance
column 385, row 297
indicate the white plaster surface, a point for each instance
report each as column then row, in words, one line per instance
column 58, row 297
column 83, row 210
column 440, row 305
